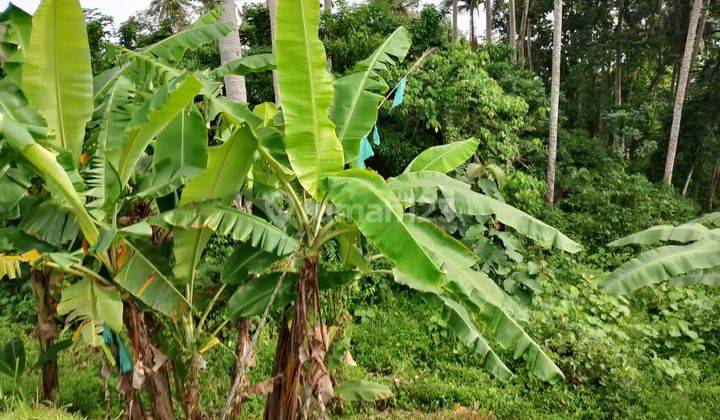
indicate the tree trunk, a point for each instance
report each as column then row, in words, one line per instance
column 554, row 101
column 713, row 186
column 231, row 49
column 618, row 55
column 680, row 93
column 529, row 47
column 189, row 394
column 455, row 20
column 488, row 20
column 688, row 179
column 242, row 354
column 271, row 12
column 473, row 39
column 522, row 34
column 512, row 36
column 41, row 281
column 283, row 402
column 327, row 6
column 152, row 363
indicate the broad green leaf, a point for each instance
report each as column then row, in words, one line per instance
column 662, row 264
column 50, row 223
column 230, row 222
column 14, row 105
column 245, row 260
column 711, row 219
column 252, row 298
column 51, row 171
column 94, row 304
column 428, row 187
column 143, row 277
column 56, row 75
column 149, row 121
column 306, row 91
column 443, row 158
column 207, row 29
column 689, row 232
column 14, row 185
column 232, row 112
column 16, row 28
column 247, row 64
column 365, row 198
column 14, row 357
column 227, row 169
column 358, row 95
column 708, row 278
column 362, row 391
column 267, row 111
column 461, row 324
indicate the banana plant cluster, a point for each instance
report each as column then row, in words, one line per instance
column 692, row 256
column 119, row 181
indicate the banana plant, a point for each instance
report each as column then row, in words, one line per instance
column 302, row 154
column 691, row 256
column 85, row 169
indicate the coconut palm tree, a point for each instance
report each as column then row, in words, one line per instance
column 174, row 11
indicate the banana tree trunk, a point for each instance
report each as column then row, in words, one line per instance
column 231, row 49
column 41, row 280
column 242, row 354
column 682, row 84
column 554, row 101
column 283, row 402
column 150, row 358
column 189, row 394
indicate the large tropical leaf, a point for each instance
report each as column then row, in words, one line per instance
column 95, row 304
column 245, row 260
column 144, row 277
column 253, row 297
column 46, row 164
column 227, row 169
column 247, row 64
column 207, row 29
column 49, row 222
column 306, row 90
column 230, row 222
column 364, row 197
column 362, row 391
column 149, row 121
column 181, row 153
column 662, row 264
column 461, row 324
column 56, row 75
column 689, row 232
column 358, row 95
column 16, row 26
column 427, row 187
column 443, row 158
column 711, row 219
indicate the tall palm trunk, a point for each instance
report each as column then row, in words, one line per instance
column 271, row 12
column 512, row 36
column 523, row 30
column 283, row 402
column 488, row 20
column 327, row 6
column 231, row 49
column 473, row 38
column 618, row 55
column 682, row 85
column 455, row 20
column 554, row 101
column 41, row 281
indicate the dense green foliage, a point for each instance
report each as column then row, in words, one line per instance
column 653, row 353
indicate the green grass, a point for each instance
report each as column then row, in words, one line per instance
column 401, row 342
